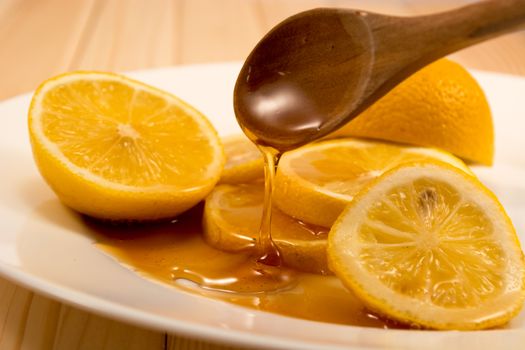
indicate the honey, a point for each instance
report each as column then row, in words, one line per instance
column 267, row 250
column 176, row 253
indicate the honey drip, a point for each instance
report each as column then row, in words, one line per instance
column 268, row 252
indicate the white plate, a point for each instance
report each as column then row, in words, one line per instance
column 44, row 246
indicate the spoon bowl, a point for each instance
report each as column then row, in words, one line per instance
column 301, row 62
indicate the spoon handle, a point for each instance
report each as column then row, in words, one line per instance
column 450, row 31
column 418, row 41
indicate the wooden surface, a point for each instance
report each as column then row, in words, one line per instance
column 40, row 38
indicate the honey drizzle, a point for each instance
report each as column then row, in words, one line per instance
column 268, row 252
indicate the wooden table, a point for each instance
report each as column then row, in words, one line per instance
column 40, row 38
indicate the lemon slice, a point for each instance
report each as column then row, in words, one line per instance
column 232, row 216
column 244, row 162
column 314, row 183
column 428, row 245
column 115, row 148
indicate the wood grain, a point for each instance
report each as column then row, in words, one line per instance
column 41, row 38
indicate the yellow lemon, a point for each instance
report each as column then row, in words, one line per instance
column 428, row 245
column 440, row 106
column 114, row 148
column 232, row 217
column 314, row 183
column 244, row 162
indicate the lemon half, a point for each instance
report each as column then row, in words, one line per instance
column 114, row 148
column 441, row 105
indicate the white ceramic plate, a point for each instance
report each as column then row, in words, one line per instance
column 44, row 246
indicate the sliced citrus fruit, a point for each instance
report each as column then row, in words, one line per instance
column 428, row 245
column 442, row 106
column 114, row 148
column 244, row 162
column 314, row 183
column 232, row 216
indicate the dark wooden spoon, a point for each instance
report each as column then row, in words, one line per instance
column 319, row 69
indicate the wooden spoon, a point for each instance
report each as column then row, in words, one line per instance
column 319, row 69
